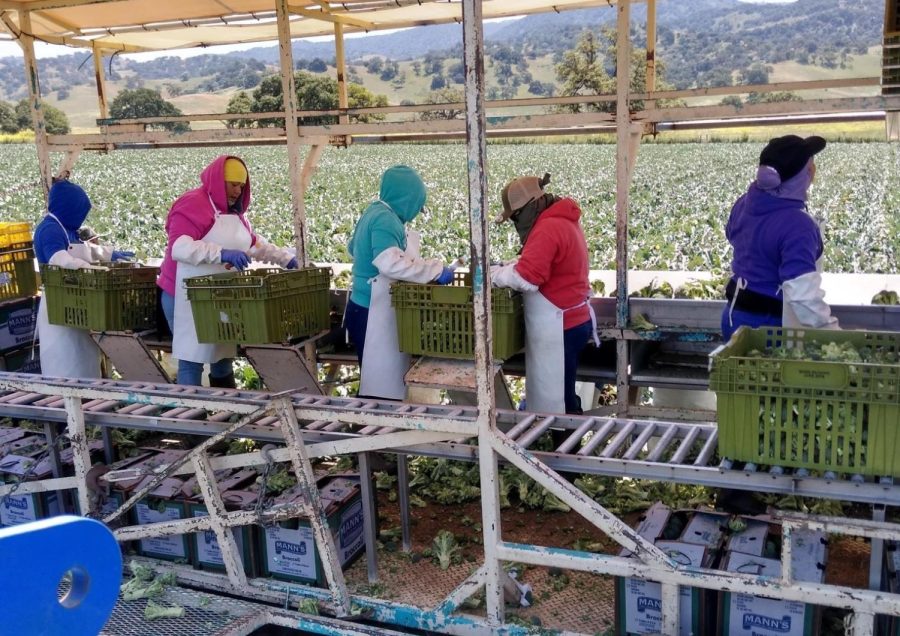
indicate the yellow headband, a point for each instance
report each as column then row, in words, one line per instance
column 235, row 171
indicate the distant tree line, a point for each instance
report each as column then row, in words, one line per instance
column 314, row 92
column 17, row 117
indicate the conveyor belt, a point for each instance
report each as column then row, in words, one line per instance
column 638, row 449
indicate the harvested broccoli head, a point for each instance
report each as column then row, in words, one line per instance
column 154, row 611
column 445, row 549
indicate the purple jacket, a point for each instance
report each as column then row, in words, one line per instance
column 774, row 240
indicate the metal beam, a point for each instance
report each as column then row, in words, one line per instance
column 35, row 101
column 338, row 19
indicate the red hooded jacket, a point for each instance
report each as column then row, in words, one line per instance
column 555, row 258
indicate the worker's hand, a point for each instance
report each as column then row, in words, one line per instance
column 292, row 264
column 445, row 277
column 235, row 258
column 122, row 255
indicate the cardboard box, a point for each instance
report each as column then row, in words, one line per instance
column 639, row 602
column 288, row 550
column 17, row 322
column 24, row 360
column 25, row 508
column 746, row 614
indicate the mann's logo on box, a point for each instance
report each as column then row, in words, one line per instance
column 290, row 548
column 209, row 537
column 352, row 525
column 21, row 322
column 772, row 623
column 645, row 603
column 19, row 503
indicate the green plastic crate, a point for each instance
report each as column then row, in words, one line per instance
column 260, row 306
column 830, row 416
column 17, row 276
column 122, row 297
column 439, row 320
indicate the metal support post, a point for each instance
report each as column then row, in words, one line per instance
column 862, row 624
column 341, row 65
column 32, row 79
column 215, row 508
column 623, row 169
column 100, row 79
column 81, row 457
column 109, row 449
column 284, row 410
column 370, row 515
column 650, row 82
column 877, row 553
column 670, row 609
column 403, row 500
column 52, row 435
column 289, row 94
column 476, row 156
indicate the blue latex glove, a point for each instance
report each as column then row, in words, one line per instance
column 122, row 255
column 445, row 277
column 292, row 264
column 235, row 258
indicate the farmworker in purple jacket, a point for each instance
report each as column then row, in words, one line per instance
column 209, row 233
column 777, row 279
column 67, row 351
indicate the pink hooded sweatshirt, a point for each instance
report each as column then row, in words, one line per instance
column 193, row 215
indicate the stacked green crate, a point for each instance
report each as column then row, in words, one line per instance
column 439, row 320
column 121, row 297
column 777, row 406
column 260, row 306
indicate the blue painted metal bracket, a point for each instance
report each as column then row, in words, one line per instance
column 34, row 558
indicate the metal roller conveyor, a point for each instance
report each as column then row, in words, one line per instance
column 612, row 446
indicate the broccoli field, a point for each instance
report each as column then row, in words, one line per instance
column 680, row 198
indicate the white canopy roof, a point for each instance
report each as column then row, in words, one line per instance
column 149, row 25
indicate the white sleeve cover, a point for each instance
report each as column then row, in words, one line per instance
column 264, row 251
column 395, row 263
column 806, row 299
column 507, row 276
column 63, row 259
column 187, row 250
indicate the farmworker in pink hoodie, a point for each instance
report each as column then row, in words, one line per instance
column 209, row 233
column 777, row 263
column 552, row 271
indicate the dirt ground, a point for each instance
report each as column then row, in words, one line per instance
column 563, row 600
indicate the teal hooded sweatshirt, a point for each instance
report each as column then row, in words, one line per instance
column 401, row 198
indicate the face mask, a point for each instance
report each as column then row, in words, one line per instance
column 524, row 219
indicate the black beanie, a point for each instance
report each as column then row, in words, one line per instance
column 790, row 153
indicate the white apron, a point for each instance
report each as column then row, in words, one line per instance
column 67, row 352
column 383, row 365
column 229, row 232
column 545, row 355
column 788, row 317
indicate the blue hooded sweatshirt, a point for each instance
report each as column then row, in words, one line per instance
column 70, row 204
column 401, row 198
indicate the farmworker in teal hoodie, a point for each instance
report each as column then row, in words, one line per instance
column 777, row 263
column 209, row 233
column 552, row 272
column 66, row 351
column 384, row 251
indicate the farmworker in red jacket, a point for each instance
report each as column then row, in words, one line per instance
column 209, row 233
column 552, row 271
column 777, row 243
column 383, row 251
column 66, row 351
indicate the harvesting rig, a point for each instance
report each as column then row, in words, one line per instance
column 627, row 440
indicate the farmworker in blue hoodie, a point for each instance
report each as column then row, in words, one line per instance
column 777, row 264
column 67, row 351
column 383, row 251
